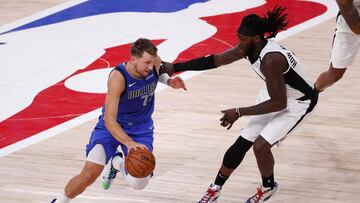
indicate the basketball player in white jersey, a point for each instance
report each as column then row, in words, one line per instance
column 285, row 100
column 345, row 45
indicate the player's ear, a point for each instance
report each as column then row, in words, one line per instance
column 257, row 38
column 133, row 59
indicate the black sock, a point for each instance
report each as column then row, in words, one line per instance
column 268, row 181
column 220, row 179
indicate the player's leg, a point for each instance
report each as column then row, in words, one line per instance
column 80, row 182
column 265, row 161
column 116, row 164
column 146, row 139
column 97, row 152
column 234, row 156
column 232, row 159
column 113, row 166
column 281, row 124
column 344, row 50
column 329, row 77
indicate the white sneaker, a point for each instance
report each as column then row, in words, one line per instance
column 114, row 165
column 263, row 194
column 212, row 194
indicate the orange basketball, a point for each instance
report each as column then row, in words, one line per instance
column 140, row 163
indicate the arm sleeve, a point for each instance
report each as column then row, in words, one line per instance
column 198, row 64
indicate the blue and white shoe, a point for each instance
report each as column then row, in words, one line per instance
column 114, row 165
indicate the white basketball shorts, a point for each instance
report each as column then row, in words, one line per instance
column 345, row 46
column 97, row 155
column 274, row 127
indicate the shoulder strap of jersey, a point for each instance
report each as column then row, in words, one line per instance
column 122, row 71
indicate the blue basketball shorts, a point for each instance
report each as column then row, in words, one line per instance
column 111, row 145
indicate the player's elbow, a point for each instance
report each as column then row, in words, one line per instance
column 356, row 29
column 279, row 105
column 108, row 122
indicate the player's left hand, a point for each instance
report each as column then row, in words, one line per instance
column 229, row 118
column 177, row 83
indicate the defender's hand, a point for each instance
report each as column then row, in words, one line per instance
column 230, row 116
column 167, row 68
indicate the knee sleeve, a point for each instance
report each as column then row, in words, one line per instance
column 137, row 183
column 236, row 153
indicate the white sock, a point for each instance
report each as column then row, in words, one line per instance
column 118, row 164
column 62, row 198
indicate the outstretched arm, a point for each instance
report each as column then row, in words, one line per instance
column 176, row 82
column 205, row 62
column 350, row 14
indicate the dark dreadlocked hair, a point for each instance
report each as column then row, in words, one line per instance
column 267, row 26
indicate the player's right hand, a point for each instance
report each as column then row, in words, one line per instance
column 229, row 117
column 177, row 83
column 134, row 146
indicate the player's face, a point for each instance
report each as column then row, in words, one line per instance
column 145, row 64
column 247, row 44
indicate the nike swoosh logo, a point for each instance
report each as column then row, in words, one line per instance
column 132, row 84
column 150, row 76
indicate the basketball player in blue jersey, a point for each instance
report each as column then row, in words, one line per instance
column 285, row 100
column 346, row 43
column 125, row 121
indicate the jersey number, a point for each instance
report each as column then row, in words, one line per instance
column 147, row 98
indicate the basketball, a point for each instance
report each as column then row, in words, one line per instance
column 140, row 163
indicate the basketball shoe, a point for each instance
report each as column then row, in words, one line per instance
column 211, row 195
column 263, row 194
column 114, row 165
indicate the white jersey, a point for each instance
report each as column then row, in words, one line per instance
column 341, row 25
column 301, row 100
column 298, row 82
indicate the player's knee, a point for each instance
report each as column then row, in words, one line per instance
column 137, row 183
column 336, row 76
column 339, row 76
column 336, row 73
column 258, row 149
column 261, row 147
column 140, row 185
column 88, row 178
column 235, row 154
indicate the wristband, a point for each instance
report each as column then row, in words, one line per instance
column 237, row 110
column 163, row 78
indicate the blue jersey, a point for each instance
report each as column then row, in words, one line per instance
column 136, row 104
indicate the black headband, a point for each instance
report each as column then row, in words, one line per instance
column 244, row 30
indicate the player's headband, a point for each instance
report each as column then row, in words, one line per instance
column 244, row 30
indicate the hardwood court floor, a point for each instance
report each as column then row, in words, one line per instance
column 319, row 162
column 12, row 10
